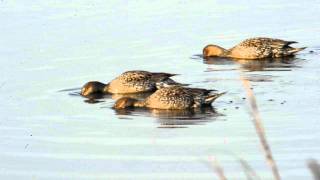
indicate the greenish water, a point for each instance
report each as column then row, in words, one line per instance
column 47, row 47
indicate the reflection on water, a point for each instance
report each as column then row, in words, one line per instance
column 99, row 97
column 249, row 66
column 275, row 64
column 69, row 89
column 259, row 77
column 139, row 96
column 174, row 118
column 165, row 117
column 279, row 64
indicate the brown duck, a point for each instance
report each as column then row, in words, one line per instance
column 175, row 97
column 254, row 48
column 130, row 82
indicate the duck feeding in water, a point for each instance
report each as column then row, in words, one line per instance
column 254, row 48
column 174, row 98
column 131, row 82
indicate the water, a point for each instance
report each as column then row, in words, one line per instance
column 47, row 47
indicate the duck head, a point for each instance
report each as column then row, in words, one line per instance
column 126, row 102
column 214, row 50
column 94, row 87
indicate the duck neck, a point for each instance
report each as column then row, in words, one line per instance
column 139, row 103
column 106, row 88
column 224, row 53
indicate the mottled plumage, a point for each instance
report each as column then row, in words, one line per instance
column 254, row 48
column 133, row 81
column 130, row 82
column 175, row 97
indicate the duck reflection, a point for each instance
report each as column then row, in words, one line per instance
column 174, row 118
column 98, row 97
column 268, row 64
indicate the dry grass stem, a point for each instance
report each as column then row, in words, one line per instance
column 314, row 168
column 259, row 128
column 217, row 168
column 250, row 173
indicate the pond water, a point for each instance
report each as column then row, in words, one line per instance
column 49, row 49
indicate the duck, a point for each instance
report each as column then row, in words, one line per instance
column 172, row 98
column 135, row 81
column 254, row 48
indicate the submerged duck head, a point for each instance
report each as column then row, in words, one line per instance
column 213, row 50
column 94, row 87
column 125, row 102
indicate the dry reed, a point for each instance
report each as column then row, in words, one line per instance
column 260, row 129
column 314, row 168
column 217, row 168
column 250, row 173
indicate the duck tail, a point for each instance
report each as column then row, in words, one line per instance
column 168, row 83
column 162, row 75
column 209, row 99
column 295, row 50
column 291, row 42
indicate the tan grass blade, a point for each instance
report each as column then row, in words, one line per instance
column 260, row 129
column 250, row 173
column 217, row 168
column 314, row 167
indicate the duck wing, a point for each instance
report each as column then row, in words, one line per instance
column 132, row 82
column 158, row 76
column 200, row 91
column 175, row 97
column 262, row 47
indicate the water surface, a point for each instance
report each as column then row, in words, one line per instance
column 47, row 47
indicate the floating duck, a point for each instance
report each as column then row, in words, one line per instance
column 174, row 98
column 254, row 48
column 131, row 82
